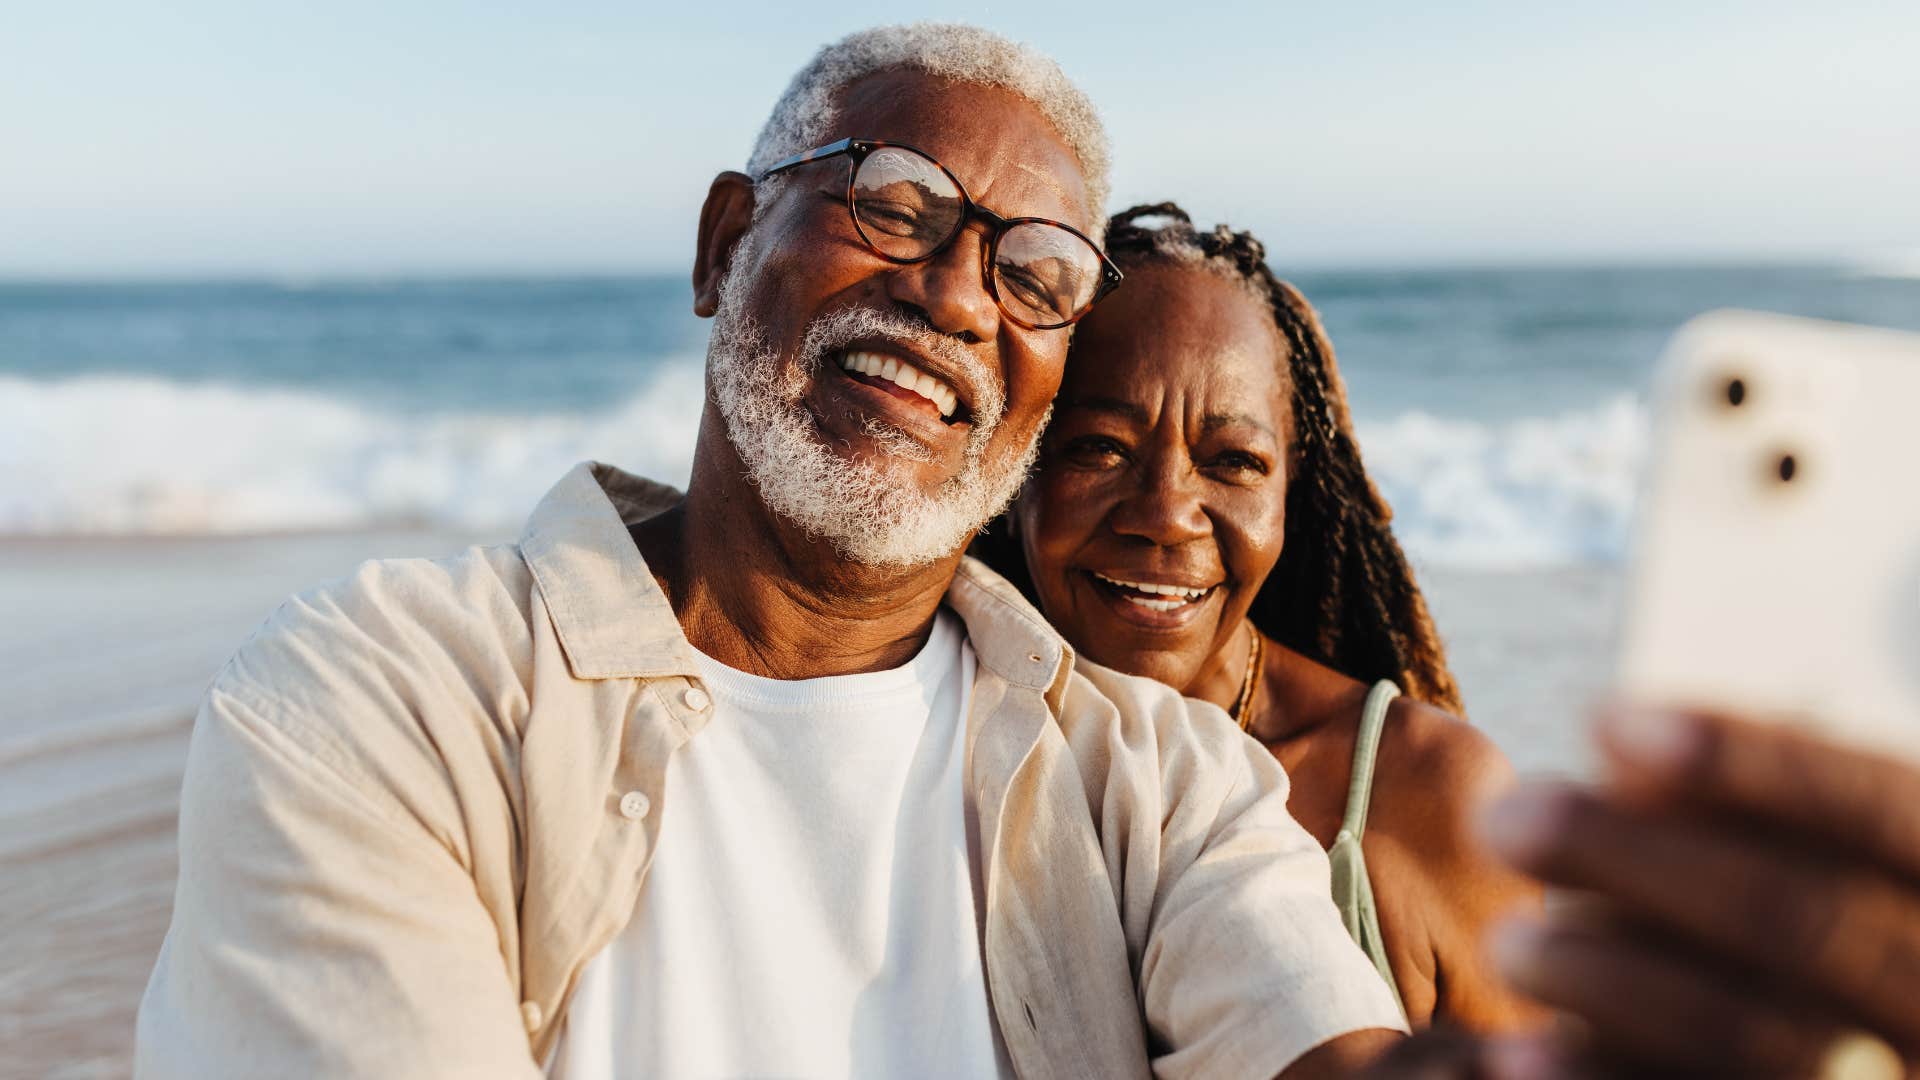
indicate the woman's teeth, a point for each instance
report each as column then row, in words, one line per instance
column 905, row 375
column 1155, row 597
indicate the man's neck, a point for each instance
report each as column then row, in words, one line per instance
column 754, row 593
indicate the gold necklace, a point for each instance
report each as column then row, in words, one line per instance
column 1243, row 709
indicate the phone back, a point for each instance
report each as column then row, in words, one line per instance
column 1777, row 551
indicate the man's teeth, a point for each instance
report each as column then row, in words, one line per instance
column 1175, row 595
column 903, row 374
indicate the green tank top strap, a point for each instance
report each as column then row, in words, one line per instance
column 1352, row 889
column 1373, row 720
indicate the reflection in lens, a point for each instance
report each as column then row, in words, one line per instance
column 1045, row 275
column 904, row 204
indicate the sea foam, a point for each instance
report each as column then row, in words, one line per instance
column 115, row 455
column 145, row 456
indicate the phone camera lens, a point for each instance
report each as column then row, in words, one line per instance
column 1787, row 468
column 1736, row 392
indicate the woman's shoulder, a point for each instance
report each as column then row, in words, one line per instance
column 1433, row 770
column 1442, row 888
column 1432, row 749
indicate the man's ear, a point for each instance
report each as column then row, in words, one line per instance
column 723, row 221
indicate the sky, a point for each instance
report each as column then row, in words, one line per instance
column 218, row 137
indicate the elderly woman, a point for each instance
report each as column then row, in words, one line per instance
column 1200, row 515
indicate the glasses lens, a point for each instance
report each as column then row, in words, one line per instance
column 1046, row 276
column 905, row 205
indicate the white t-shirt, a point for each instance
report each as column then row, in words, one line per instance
column 810, row 909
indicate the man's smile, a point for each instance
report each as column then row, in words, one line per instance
column 902, row 378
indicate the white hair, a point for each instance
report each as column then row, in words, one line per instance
column 805, row 115
column 871, row 510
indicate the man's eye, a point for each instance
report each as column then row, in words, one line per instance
column 894, row 219
column 1028, row 289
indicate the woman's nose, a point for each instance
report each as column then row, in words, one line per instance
column 1165, row 509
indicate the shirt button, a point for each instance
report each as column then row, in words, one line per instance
column 634, row 805
column 530, row 1015
column 696, row 699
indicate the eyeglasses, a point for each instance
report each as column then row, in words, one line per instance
column 908, row 207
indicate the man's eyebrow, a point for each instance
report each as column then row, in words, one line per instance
column 1214, row 421
column 1096, row 403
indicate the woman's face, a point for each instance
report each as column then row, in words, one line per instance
column 1158, row 508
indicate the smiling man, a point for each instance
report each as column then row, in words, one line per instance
column 766, row 778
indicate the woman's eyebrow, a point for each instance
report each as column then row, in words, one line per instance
column 1095, row 403
column 1213, row 421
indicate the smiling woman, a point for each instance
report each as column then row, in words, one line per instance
column 1201, row 516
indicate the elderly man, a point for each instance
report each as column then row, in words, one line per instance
column 766, row 778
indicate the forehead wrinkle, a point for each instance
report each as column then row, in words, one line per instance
column 1049, row 181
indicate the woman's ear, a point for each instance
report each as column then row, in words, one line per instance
column 724, row 219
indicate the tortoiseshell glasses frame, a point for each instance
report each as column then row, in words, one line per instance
column 1025, row 280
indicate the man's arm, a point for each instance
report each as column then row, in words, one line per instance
column 1244, row 966
column 318, row 929
column 1343, row 1056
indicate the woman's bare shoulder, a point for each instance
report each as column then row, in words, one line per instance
column 1434, row 769
column 1437, row 884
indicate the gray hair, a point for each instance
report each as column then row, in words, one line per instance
column 805, row 115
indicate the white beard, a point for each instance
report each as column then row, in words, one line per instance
column 871, row 509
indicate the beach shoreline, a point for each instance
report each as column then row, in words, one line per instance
column 113, row 640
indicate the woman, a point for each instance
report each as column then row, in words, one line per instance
column 1201, row 516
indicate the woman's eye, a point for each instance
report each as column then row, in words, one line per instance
column 1092, row 451
column 1240, row 462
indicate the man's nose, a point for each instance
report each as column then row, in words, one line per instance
column 950, row 290
column 1166, row 507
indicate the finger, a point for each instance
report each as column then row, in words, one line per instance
column 1642, row 1003
column 1553, row 1055
column 1770, row 773
column 1438, row 1053
column 1535, row 1056
column 1834, row 934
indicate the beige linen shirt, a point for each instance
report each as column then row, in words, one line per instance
column 418, row 801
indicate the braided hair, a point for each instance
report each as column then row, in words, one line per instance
column 1342, row 593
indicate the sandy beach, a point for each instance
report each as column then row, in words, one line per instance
column 108, row 645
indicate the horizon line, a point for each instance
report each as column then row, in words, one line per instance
column 1867, row 266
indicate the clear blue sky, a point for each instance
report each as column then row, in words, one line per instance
column 220, row 136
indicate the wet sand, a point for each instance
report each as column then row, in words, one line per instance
column 106, row 649
column 107, row 645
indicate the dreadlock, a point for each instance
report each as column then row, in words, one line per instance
column 1342, row 592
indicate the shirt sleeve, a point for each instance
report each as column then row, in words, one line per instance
column 316, row 931
column 1243, row 962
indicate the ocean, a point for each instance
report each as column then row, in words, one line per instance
column 1502, row 411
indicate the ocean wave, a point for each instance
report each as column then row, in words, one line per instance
column 135, row 456
column 142, row 456
column 1530, row 492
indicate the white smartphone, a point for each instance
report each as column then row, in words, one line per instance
column 1776, row 564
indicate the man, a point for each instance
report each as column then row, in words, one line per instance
column 766, row 778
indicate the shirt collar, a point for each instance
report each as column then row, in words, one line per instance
column 613, row 620
column 611, row 617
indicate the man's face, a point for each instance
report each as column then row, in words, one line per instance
column 851, row 455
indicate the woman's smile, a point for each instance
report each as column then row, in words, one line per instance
column 1150, row 602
